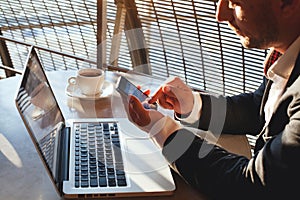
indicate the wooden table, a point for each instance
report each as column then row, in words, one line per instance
column 22, row 175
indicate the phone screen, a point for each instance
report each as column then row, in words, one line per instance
column 125, row 87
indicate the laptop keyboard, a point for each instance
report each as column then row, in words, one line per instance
column 98, row 158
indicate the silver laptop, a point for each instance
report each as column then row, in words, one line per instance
column 89, row 158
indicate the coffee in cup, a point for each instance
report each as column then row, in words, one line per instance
column 90, row 80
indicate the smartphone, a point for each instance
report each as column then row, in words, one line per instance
column 125, row 87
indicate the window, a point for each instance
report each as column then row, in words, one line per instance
column 184, row 39
column 59, row 25
column 182, row 36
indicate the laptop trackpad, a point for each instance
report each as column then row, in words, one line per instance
column 143, row 156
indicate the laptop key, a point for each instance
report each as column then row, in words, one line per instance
column 120, row 172
column 111, row 182
column 102, row 173
column 106, row 127
column 84, row 183
column 93, row 182
column 84, row 178
column 84, row 173
column 122, row 182
column 102, row 181
column 121, row 177
column 111, row 176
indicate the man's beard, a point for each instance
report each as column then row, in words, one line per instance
column 267, row 37
column 264, row 42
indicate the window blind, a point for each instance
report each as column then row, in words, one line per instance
column 59, row 25
column 183, row 39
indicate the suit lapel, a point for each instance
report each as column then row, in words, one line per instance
column 265, row 97
column 295, row 72
column 294, row 75
column 265, row 131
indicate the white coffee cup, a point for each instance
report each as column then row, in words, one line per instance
column 90, row 80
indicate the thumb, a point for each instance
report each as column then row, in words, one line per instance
column 135, row 105
column 137, row 112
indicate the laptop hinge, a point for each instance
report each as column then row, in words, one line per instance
column 64, row 153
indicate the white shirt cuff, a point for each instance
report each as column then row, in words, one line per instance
column 195, row 114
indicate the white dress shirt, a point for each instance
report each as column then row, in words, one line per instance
column 279, row 73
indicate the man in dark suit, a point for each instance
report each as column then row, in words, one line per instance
column 272, row 112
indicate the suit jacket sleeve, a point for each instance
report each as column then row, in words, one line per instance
column 242, row 112
column 272, row 171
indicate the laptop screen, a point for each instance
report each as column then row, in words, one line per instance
column 39, row 110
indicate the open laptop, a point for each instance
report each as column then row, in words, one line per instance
column 88, row 158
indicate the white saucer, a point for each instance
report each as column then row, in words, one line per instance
column 74, row 91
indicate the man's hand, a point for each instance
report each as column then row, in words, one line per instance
column 144, row 118
column 146, row 92
column 174, row 95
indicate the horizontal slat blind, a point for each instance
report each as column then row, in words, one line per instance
column 185, row 40
column 64, row 26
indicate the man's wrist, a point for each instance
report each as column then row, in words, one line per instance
column 162, row 129
column 194, row 115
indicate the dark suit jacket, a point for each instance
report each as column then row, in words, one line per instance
column 274, row 170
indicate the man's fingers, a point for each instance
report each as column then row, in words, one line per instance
column 156, row 96
column 160, row 92
column 147, row 92
column 173, row 91
column 172, row 88
column 166, row 105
